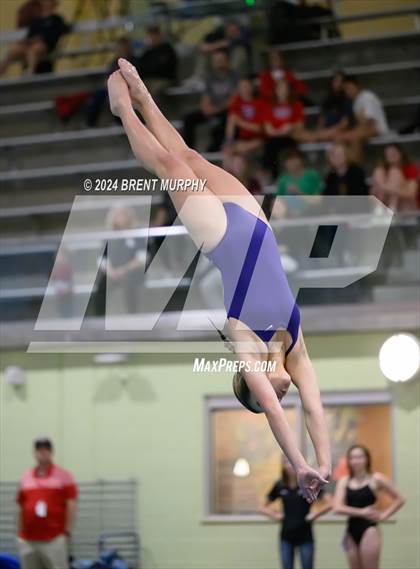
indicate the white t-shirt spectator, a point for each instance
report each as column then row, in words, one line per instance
column 368, row 106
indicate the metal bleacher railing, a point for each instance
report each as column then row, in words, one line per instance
column 106, row 509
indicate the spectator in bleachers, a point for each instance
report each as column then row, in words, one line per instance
column 241, row 168
column 163, row 215
column 277, row 71
column 344, row 178
column 41, row 40
column 336, row 108
column 93, row 102
column 285, row 19
column 46, row 498
column 221, row 83
column 232, row 38
column 28, row 13
column 158, row 63
column 414, row 125
column 335, row 113
column 244, row 128
column 62, row 284
column 283, row 119
column 96, row 100
column 369, row 114
column 123, row 264
column 395, row 180
column 297, row 179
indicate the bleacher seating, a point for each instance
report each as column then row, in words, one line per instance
column 43, row 162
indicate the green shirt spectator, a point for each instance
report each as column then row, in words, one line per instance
column 300, row 183
column 308, row 183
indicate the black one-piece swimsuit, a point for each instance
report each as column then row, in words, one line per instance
column 360, row 498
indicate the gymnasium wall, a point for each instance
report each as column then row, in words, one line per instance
column 145, row 420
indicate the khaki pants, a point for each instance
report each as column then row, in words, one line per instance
column 43, row 554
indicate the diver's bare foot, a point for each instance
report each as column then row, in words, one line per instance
column 119, row 96
column 138, row 90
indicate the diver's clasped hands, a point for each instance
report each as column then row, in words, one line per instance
column 311, row 481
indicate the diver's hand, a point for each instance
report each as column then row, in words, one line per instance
column 310, row 483
column 325, row 472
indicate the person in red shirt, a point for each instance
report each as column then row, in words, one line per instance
column 277, row 71
column 396, row 180
column 244, row 127
column 47, row 499
column 283, row 119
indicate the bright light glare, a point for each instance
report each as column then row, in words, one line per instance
column 399, row 357
column 241, row 468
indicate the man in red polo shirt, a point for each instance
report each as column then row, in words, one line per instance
column 47, row 499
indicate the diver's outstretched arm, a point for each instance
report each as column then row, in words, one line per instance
column 303, row 375
column 310, row 481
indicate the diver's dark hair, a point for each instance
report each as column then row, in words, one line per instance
column 243, row 393
column 240, row 386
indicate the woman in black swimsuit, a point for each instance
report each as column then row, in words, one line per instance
column 296, row 519
column 356, row 496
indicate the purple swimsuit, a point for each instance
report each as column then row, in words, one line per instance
column 256, row 290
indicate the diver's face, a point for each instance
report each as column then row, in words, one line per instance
column 280, row 384
column 254, row 402
column 280, row 380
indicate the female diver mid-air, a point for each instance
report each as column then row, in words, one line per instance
column 227, row 224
